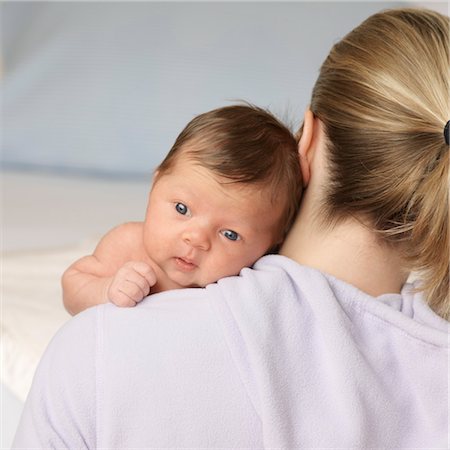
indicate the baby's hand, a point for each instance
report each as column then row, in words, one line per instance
column 131, row 283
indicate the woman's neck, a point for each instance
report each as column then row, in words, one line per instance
column 349, row 251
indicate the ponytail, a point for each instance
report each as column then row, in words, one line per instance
column 383, row 97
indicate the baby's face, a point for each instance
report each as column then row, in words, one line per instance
column 198, row 230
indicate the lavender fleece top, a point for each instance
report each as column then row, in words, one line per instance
column 282, row 356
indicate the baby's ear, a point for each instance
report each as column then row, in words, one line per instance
column 156, row 175
column 154, row 179
column 275, row 247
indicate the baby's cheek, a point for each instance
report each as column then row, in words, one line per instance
column 233, row 265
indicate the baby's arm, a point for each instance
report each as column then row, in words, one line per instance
column 115, row 271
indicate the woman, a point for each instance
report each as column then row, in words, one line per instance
column 325, row 346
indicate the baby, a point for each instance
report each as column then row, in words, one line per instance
column 225, row 195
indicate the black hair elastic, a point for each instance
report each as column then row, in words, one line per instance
column 447, row 132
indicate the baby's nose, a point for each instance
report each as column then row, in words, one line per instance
column 197, row 237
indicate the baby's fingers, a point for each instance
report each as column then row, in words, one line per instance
column 135, row 286
column 120, row 298
column 145, row 271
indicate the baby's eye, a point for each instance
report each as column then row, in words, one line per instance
column 181, row 208
column 231, row 235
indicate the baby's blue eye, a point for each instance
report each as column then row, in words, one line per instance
column 182, row 209
column 231, row 235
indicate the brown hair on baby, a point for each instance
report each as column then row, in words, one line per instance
column 245, row 144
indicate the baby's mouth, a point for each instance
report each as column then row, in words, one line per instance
column 185, row 264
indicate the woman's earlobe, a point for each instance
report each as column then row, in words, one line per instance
column 304, row 146
column 304, row 168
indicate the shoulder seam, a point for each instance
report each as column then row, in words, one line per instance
column 219, row 310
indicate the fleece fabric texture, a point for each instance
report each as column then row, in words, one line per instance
column 282, row 356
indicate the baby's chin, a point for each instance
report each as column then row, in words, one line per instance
column 215, row 280
column 201, row 282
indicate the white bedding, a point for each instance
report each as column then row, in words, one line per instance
column 48, row 221
column 32, row 309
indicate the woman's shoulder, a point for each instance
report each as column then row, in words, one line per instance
column 278, row 286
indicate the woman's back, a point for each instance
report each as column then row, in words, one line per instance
column 330, row 366
column 283, row 356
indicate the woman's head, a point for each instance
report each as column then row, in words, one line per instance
column 383, row 98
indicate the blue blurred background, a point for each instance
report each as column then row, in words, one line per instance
column 104, row 88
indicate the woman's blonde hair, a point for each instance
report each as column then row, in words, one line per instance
column 383, row 97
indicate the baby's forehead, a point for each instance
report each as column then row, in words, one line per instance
column 262, row 192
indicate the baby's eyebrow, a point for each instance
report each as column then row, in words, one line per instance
column 184, row 188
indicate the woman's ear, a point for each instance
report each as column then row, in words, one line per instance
column 305, row 145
